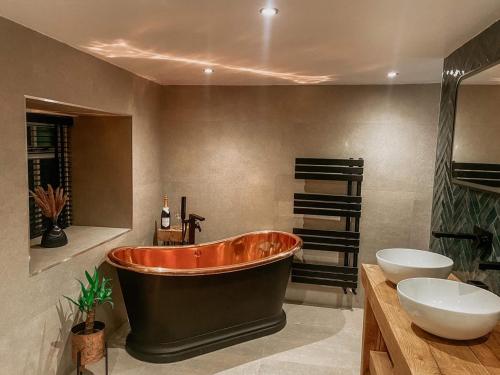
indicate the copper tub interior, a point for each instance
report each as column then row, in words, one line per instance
column 235, row 253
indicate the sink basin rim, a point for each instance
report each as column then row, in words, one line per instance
column 452, row 309
column 449, row 263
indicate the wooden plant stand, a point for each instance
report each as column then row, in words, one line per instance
column 79, row 366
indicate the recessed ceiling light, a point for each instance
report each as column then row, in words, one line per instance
column 268, row 12
column 208, row 70
column 392, row 74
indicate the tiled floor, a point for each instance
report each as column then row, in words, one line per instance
column 315, row 341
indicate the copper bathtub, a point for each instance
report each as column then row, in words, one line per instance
column 189, row 300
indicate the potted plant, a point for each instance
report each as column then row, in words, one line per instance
column 51, row 203
column 88, row 336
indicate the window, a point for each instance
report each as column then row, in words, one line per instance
column 48, row 139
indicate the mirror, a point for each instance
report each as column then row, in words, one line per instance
column 476, row 141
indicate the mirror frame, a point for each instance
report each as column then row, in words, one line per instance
column 471, row 185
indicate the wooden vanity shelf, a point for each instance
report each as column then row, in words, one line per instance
column 392, row 345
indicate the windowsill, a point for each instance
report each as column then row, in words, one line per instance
column 80, row 240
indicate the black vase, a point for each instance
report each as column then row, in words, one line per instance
column 54, row 236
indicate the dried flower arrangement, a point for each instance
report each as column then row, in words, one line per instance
column 51, row 203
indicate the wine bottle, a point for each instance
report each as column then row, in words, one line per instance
column 165, row 214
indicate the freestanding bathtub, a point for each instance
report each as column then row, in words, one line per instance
column 188, row 300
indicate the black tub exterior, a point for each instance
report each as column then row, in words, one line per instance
column 177, row 317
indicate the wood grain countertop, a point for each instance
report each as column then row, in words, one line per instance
column 412, row 350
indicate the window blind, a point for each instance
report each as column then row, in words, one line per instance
column 49, row 162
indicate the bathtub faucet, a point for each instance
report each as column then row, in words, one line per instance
column 193, row 224
column 189, row 225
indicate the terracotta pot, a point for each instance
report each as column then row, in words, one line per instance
column 90, row 346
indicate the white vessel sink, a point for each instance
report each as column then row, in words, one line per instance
column 400, row 264
column 449, row 309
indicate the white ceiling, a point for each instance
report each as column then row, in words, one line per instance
column 309, row 41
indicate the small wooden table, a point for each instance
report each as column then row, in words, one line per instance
column 393, row 345
column 171, row 236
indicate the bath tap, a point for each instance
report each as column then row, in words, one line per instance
column 194, row 223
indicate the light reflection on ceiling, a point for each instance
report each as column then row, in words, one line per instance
column 330, row 42
column 123, row 49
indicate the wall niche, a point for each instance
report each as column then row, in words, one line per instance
column 98, row 150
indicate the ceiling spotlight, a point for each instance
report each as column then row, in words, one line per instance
column 392, row 74
column 268, row 12
column 208, row 70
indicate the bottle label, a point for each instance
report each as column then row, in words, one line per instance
column 165, row 222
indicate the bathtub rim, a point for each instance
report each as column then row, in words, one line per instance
column 160, row 271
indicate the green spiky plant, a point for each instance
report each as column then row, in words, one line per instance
column 96, row 293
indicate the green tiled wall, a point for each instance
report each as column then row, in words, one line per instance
column 457, row 208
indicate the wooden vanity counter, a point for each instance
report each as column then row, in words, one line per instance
column 393, row 345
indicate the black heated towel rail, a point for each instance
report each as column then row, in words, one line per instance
column 347, row 206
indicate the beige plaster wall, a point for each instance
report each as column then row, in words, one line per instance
column 231, row 151
column 34, row 319
column 101, row 148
